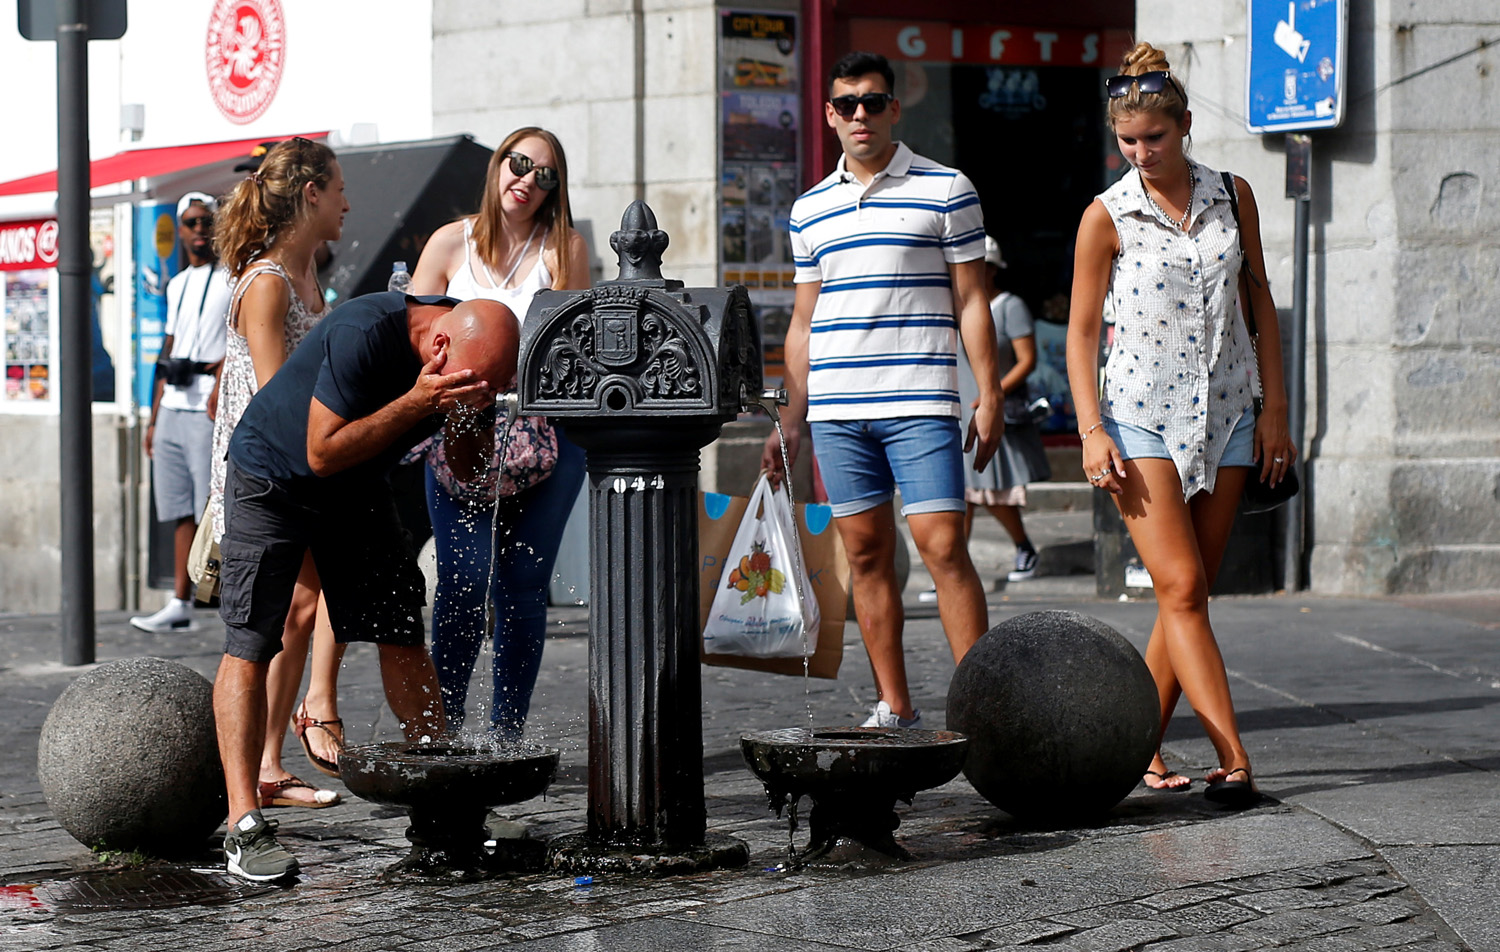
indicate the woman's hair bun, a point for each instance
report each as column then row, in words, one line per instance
column 1143, row 58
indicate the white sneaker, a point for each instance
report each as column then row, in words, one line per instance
column 928, row 597
column 176, row 616
column 1026, row 561
column 883, row 716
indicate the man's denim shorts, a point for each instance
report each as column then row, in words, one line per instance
column 862, row 462
column 1137, row 442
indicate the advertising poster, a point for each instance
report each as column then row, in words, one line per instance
column 27, row 332
column 155, row 234
column 104, row 311
column 759, row 170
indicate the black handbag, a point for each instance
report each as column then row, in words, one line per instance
column 1259, row 496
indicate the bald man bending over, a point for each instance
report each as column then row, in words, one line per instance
column 307, row 471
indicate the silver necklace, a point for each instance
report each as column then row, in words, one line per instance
column 1187, row 212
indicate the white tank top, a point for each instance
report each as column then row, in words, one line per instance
column 464, row 285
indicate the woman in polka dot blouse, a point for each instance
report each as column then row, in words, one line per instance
column 1172, row 433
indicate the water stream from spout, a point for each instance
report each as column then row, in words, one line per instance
column 771, row 402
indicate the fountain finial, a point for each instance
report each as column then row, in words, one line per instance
column 639, row 244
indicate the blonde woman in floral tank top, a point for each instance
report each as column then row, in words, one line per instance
column 1171, row 434
column 268, row 232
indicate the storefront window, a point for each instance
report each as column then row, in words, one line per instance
column 1021, row 111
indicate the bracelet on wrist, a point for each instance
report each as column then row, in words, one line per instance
column 1090, row 430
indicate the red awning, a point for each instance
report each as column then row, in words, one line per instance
column 146, row 163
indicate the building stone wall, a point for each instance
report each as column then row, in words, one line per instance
column 571, row 66
column 1403, row 372
column 31, row 512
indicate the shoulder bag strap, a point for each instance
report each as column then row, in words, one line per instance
column 1245, row 270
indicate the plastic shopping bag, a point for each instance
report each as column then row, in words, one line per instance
column 764, row 607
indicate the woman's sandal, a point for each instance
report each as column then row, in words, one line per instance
column 1166, row 784
column 301, row 723
column 1238, row 794
column 271, row 790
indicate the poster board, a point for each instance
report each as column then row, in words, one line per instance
column 760, row 104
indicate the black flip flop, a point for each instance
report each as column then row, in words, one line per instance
column 1165, row 777
column 1237, row 794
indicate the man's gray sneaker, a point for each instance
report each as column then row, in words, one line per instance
column 252, row 852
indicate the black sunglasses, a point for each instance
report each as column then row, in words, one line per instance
column 1155, row 81
column 520, row 165
column 874, row 104
column 199, row 221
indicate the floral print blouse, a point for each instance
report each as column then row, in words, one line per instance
column 1182, row 364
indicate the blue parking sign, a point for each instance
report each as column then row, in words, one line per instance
column 1294, row 68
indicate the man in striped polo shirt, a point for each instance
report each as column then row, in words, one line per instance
column 888, row 249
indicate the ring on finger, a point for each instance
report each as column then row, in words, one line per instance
column 1278, row 459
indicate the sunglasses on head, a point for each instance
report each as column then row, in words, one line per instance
column 874, row 104
column 520, row 165
column 1155, row 81
column 198, row 221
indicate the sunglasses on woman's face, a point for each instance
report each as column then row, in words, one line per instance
column 874, row 104
column 520, row 165
column 1155, row 81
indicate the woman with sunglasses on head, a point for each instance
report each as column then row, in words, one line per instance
column 268, row 230
column 1177, row 436
column 522, row 241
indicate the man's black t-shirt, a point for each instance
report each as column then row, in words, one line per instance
column 355, row 361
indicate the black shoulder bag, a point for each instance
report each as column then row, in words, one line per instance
column 1259, row 496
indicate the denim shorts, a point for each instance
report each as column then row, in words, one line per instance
column 863, row 462
column 1137, row 442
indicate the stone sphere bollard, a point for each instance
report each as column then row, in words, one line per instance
column 129, row 759
column 1061, row 714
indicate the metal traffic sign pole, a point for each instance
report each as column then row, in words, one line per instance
column 1298, row 188
column 1294, row 82
column 67, row 21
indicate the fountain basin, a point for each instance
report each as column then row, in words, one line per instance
column 853, row 776
column 448, row 788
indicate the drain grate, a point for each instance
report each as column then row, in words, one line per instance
column 148, row 887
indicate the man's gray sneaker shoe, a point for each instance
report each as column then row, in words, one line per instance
column 252, row 852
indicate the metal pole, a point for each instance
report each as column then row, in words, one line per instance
column 1293, row 512
column 75, row 385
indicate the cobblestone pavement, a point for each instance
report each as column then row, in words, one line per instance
column 1372, row 724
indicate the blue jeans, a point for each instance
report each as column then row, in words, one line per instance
column 864, row 461
column 529, row 532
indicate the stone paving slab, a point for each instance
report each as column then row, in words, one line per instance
column 1372, row 723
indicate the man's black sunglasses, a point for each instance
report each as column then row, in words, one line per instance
column 874, row 104
column 197, row 221
column 521, row 164
column 1155, row 81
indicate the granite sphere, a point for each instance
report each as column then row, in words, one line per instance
column 1061, row 714
column 129, row 759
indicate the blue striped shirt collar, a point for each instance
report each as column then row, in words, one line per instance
column 899, row 165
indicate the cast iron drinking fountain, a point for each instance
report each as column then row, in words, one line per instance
column 448, row 786
column 853, row 776
column 642, row 373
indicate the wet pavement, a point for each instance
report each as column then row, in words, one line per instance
column 1374, row 726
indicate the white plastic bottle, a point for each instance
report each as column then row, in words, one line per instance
column 400, row 278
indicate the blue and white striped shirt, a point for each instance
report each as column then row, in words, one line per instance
column 884, row 339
